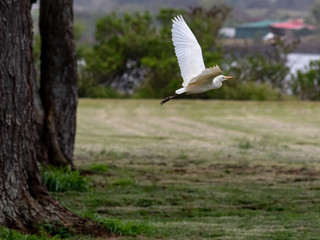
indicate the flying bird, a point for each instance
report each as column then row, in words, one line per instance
column 196, row 78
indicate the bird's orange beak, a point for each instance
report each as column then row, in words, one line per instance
column 228, row 77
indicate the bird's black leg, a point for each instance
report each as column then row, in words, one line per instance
column 168, row 98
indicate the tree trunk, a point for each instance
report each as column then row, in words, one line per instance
column 58, row 83
column 23, row 200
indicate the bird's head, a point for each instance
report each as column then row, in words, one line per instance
column 222, row 78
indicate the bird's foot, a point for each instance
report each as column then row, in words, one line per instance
column 167, row 99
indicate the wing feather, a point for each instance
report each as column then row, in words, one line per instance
column 206, row 76
column 188, row 50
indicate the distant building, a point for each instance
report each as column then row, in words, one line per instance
column 294, row 27
column 259, row 29
column 253, row 29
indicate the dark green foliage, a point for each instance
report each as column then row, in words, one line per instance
column 121, row 43
column 241, row 90
column 63, row 179
column 306, row 85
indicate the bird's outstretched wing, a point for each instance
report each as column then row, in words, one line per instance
column 188, row 50
column 206, row 76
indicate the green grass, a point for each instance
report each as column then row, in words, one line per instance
column 63, row 179
column 118, row 227
column 245, row 144
column 99, row 168
column 199, row 169
column 9, row 234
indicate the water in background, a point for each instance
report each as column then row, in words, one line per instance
column 300, row 61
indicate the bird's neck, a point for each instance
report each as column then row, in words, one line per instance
column 217, row 83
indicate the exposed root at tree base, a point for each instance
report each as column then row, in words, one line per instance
column 82, row 226
column 44, row 213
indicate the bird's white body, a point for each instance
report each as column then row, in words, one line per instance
column 199, row 88
column 196, row 78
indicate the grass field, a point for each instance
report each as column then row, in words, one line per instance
column 201, row 169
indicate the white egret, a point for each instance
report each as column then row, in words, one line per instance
column 196, row 78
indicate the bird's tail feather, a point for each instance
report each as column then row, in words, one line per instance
column 180, row 91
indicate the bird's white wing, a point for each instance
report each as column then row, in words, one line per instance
column 206, row 76
column 187, row 49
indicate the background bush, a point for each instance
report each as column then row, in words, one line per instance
column 306, row 85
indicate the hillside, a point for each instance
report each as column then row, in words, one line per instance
column 112, row 5
column 242, row 10
column 88, row 11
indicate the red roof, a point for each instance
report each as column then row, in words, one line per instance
column 295, row 25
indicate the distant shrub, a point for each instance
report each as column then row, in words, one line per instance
column 63, row 179
column 306, row 85
column 253, row 91
column 246, row 91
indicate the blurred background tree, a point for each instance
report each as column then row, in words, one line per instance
column 316, row 11
column 115, row 60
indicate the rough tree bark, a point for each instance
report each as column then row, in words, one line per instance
column 23, row 199
column 58, row 84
